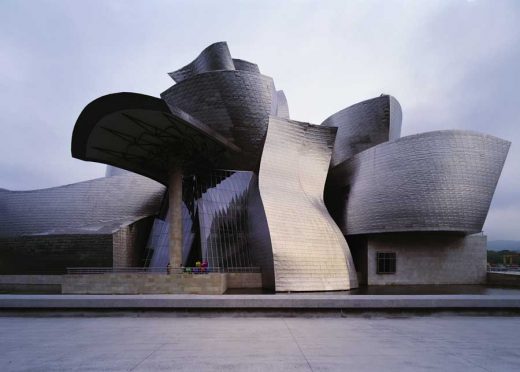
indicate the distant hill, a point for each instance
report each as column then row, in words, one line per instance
column 502, row 245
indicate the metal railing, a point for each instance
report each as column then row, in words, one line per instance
column 160, row 270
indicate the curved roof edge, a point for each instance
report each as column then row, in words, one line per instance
column 110, row 113
column 434, row 181
column 187, row 82
column 364, row 125
column 446, row 131
column 214, row 57
column 243, row 65
column 104, row 105
column 392, row 101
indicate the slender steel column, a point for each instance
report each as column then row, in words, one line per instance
column 175, row 211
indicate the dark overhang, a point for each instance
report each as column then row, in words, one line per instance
column 142, row 134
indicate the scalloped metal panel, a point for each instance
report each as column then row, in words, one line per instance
column 91, row 207
column 236, row 104
column 436, row 181
column 364, row 125
column 309, row 251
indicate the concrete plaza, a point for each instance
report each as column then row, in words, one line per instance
column 224, row 343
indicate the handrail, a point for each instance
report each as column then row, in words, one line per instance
column 160, row 270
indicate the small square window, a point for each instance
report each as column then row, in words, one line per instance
column 386, row 262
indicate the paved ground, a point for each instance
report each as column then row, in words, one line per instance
column 129, row 343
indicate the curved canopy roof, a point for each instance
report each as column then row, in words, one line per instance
column 142, row 134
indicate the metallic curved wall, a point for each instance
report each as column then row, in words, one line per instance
column 234, row 103
column 364, row 125
column 112, row 171
column 98, row 206
column 214, row 57
column 258, row 236
column 240, row 64
column 436, row 181
column 309, row 251
column 282, row 107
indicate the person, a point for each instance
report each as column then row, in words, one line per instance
column 204, row 266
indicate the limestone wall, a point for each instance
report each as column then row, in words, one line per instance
column 129, row 243
column 244, row 280
column 140, row 283
column 30, row 283
column 429, row 258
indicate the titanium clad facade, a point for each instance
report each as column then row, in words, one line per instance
column 258, row 235
column 214, row 57
column 240, row 64
column 309, row 251
column 282, row 110
column 234, row 103
column 97, row 206
column 253, row 184
column 98, row 223
column 364, row 125
column 436, row 181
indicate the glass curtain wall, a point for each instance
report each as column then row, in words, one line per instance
column 214, row 222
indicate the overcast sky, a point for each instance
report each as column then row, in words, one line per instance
column 451, row 64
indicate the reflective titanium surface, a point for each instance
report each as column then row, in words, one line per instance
column 436, row 181
column 224, row 114
column 97, row 206
column 364, row 125
column 309, row 251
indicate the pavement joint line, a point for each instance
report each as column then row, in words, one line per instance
column 148, row 356
column 298, row 345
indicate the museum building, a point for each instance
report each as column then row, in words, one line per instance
column 215, row 171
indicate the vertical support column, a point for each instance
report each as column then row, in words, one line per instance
column 175, row 211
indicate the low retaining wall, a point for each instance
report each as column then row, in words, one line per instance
column 141, row 283
column 503, row 279
column 129, row 283
column 244, row 280
column 30, row 283
column 264, row 302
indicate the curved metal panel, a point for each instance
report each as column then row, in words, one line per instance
column 112, row 171
column 258, row 236
column 97, row 206
column 214, row 57
column 436, row 181
column 236, row 104
column 309, row 251
column 282, row 107
column 364, row 125
column 240, row 64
